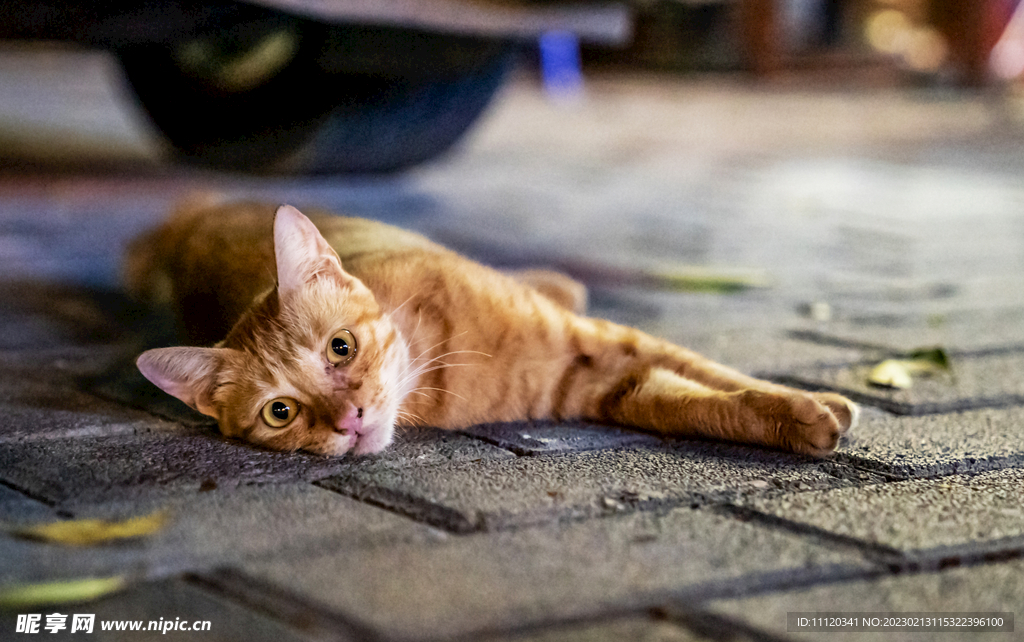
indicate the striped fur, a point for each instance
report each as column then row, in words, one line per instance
column 442, row 341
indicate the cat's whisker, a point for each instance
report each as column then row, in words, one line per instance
column 440, row 390
column 410, row 417
column 420, row 393
column 421, row 368
column 439, row 343
column 416, row 374
column 402, row 305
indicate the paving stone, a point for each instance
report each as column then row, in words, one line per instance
column 997, row 587
column 49, row 392
column 40, row 315
column 66, row 363
column 537, row 438
column 214, row 528
column 767, row 353
column 17, row 507
column 903, row 330
column 464, row 496
column 33, row 408
column 742, row 331
column 92, row 469
column 173, row 602
column 638, row 629
column 949, row 516
column 125, row 384
column 976, row 381
column 933, row 445
column 494, row 582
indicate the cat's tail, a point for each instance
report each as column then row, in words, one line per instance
column 145, row 270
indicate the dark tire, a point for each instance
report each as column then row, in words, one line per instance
column 303, row 118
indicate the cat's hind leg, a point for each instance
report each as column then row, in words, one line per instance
column 559, row 288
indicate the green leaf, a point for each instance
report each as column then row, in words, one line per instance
column 60, row 592
column 934, row 359
column 689, row 279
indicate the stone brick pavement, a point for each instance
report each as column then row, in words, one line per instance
column 897, row 215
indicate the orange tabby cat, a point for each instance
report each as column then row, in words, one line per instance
column 334, row 333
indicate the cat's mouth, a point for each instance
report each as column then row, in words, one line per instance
column 368, row 438
column 372, row 439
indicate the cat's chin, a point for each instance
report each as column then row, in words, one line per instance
column 369, row 443
column 373, row 441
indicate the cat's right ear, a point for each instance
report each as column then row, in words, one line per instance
column 187, row 373
column 301, row 252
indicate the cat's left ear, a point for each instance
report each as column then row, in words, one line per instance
column 302, row 253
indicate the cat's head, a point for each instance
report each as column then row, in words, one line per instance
column 314, row 364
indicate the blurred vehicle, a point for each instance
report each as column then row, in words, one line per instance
column 311, row 86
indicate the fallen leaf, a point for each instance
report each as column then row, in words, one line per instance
column 930, row 359
column 900, row 373
column 891, row 373
column 86, row 532
column 27, row 595
column 689, row 279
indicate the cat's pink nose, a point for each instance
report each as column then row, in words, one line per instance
column 351, row 422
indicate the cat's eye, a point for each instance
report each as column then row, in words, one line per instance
column 280, row 412
column 342, row 348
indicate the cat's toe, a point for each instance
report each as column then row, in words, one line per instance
column 845, row 411
column 816, row 435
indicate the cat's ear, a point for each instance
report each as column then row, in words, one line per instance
column 186, row 373
column 302, row 254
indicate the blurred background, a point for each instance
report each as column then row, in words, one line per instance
column 861, row 158
column 349, row 86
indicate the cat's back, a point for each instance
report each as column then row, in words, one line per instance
column 209, row 260
column 239, row 236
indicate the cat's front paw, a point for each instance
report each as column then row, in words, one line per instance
column 799, row 422
column 845, row 411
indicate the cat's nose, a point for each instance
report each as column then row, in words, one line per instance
column 350, row 422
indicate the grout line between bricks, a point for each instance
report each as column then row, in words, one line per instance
column 284, row 606
column 407, row 505
column 600, row 615
column 714, row 626
column 518, row 451
column 324, row 623
column 894, row 560
column 892, row 475
column 456, row 522
column 876, row 553
column 823, row 338
column 900, row 407
column 42, row 499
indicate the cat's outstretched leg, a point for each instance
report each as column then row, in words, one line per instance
column 669, row 404
column 719, row 377
column 633, row 379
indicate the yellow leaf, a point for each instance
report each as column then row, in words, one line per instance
column 900, row 373
column 891, row 373
column 86, row 532
column 27, row 595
